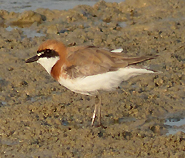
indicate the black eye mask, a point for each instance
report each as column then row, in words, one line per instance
column 47, row 53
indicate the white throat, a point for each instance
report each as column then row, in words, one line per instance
column 48, row 63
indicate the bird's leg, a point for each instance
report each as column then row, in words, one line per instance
column 97, row 110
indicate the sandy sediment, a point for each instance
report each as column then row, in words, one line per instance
column 40, row 118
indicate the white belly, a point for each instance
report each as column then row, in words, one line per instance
column 106, row 81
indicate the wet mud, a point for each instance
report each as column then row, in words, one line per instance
column 40, row 118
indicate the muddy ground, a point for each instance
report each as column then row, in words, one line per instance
column 40, row 118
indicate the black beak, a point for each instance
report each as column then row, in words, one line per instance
column 32, row 59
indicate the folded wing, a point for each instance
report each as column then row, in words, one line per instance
column 90, row 60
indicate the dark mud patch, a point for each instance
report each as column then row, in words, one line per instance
column 39, row 117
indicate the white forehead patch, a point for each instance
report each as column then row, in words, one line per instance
column 39, row 54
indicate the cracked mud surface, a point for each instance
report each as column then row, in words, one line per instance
column 38, row 117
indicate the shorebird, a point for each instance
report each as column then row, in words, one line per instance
column 88, row 69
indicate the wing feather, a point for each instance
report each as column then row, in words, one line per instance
column 90, row 60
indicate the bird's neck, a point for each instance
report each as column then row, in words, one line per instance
column 48, row 63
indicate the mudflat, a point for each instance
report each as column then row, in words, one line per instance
column 40, row 118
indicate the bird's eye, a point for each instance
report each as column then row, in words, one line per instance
column 48, row 53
